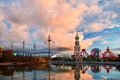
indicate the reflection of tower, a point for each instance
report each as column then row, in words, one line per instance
column 84, row 53
column 34, row 75
column 23, row 75
column 77, row 72
column 77, row 47
column 84, row 68
column 49, row 74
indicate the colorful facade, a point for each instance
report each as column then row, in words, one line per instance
column 107, row 55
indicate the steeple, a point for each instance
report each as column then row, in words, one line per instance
column 76, row 37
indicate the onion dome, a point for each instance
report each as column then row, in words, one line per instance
column 77, row 37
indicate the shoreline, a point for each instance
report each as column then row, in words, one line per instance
column 79, row 62
column 61, row 62
column 17, row 63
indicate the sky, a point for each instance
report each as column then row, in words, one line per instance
column 33, row 20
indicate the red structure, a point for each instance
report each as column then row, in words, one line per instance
column 7, row 53
column 107, row 55
column 84, row 53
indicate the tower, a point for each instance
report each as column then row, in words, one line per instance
column 77, row 47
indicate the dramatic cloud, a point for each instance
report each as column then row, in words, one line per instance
column 34, row 20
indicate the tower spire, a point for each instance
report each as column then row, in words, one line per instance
column 77, row 37
column 77, row 47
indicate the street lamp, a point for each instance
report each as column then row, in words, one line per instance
column 49, row 44
column 34, row 48
column 12, row 46
column 23, row 47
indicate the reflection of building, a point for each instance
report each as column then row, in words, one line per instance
column 77, row 47
column 107, row 67
column 8, row 71
column 84, row 53
column 108, row 55
column 79, row 68
column 95, row 68
column 84, row 68
column 77, row 72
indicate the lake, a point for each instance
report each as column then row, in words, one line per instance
column 59, row 72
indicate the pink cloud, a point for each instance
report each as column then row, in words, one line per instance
column 54, row 17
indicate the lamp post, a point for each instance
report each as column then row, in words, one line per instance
column 34, row 48
column 49, row 45
column 12, row 46
column 23, row 47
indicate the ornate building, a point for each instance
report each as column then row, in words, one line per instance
column 8, row 56
column 107, row 55
column 77, row 47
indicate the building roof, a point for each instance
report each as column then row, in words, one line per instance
column 108, row 54
column 7, row 51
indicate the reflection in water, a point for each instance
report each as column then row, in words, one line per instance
column 107, row 68
column 8, row 72
column 95, row 68
column 77, row 69
column 54, row 72
column 77, row 72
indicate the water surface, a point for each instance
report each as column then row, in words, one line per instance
column 60, row 72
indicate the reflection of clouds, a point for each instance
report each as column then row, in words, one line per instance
column 70, row 76
column 86, row 76
column 105, row 77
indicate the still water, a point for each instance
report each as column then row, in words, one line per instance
column 60, row 72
